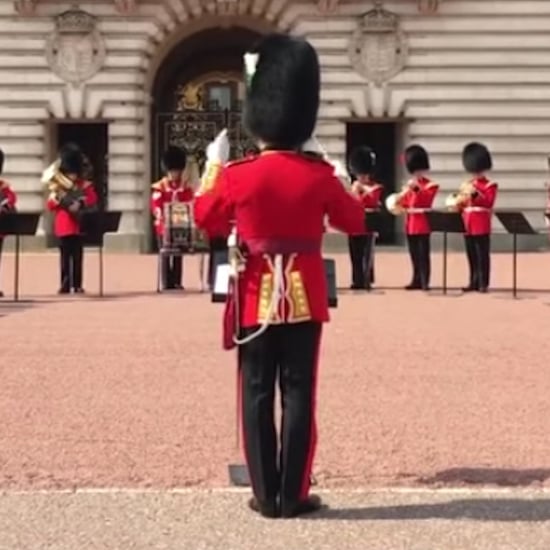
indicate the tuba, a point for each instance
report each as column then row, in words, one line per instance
column 455, row 201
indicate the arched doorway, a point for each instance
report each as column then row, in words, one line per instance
column 198, row 91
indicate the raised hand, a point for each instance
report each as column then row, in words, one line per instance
column 218, row 150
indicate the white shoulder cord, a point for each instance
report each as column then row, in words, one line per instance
column 278, row 293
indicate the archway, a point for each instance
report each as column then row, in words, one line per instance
column 197, row 91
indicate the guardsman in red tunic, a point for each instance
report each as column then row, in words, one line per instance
column 476, row 201
column 368, row 192
column 66, row 209
column 8, row 201
column 173, row 187
column 417, row 198
column 279, row 200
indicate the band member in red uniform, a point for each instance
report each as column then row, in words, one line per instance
column 368, row 192
column 476, row 200
column 66, row 208
column 279, row 200
column 8, row 201
column 417, row 198
column 173, row 187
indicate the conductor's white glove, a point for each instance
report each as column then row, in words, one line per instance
column 312, row 145
column 217, row 155
column 340, row 171
column 218, row 151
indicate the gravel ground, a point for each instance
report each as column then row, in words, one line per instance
column 133, row 390
column 220, row 520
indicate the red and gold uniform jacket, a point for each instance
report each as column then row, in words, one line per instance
column 166, row 191
column 477, row 211
column 8, row 198
column 417, row 202
column 279, row 200
column 66, row 223
column 370, row 198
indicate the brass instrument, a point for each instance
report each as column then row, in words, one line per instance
column 60, row 185
column 393, row 201
column 455, row 201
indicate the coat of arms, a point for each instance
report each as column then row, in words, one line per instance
column 378, row 47
column 75, row 50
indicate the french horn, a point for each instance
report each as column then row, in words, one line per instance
column 392, row 204
column 454, row 201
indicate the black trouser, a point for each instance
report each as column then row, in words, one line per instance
column 419, row 250
column 361, row 251
column 72, row 255
column 171, row 270
column 218, row 246
column 288, row 353
column 478, row 250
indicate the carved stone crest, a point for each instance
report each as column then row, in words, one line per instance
column 378, row 47
column 75, row 50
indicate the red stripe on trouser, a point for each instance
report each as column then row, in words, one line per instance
column 306, row 479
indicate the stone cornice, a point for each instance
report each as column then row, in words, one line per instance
column 27, row 7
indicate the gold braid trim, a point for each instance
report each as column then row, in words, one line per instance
column 210, row 177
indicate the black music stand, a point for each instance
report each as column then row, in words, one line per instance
column 516, row 224
column 374, row 222
column 18, row 224
column 442, row 221
column 94, row 226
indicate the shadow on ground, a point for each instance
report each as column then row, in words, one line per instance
column 488, row 476
column 495, row 510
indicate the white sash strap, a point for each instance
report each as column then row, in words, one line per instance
column 417, row 210
column 476, row 209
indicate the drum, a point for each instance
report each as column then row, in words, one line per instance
column 180, row 231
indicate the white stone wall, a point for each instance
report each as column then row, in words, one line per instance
column 472, row 73
column 478, row 69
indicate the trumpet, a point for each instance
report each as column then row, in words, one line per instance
column 455, row 201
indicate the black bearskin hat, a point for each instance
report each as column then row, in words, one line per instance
column 362, row 160
column 416, row 159
column 1, row 161
column 174, row 158
column 71, row 159
column 476, row 158
column 283, row 92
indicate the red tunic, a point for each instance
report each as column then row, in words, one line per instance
column 417, row 203
column 165, row 191
column 371, row 197
column 8, row 198
column 65, row 223
column 477, row 211
column 279, row 201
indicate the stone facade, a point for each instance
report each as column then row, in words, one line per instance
column 471, row 69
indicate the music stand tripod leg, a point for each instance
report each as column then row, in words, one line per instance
column 514, row 264
column 16, row 269
column 159, row 269
column 444, row 262
column 101, row 270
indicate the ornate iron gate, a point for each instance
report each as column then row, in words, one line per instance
column 194, row 130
